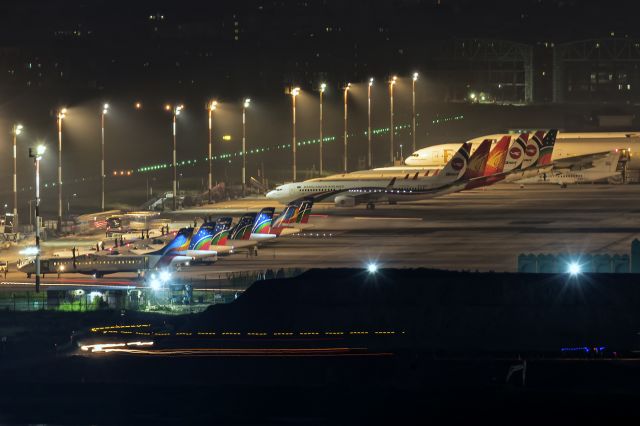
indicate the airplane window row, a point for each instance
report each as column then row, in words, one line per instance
column 98, row 262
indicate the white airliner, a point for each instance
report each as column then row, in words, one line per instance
column 348, row 190
column 604, row 168
column 568, row 145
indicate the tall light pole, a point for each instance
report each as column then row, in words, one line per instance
column 413, row 111
column 175, row 112
column 392, row 82
column 323, row 86
column 210, row 108
column 105, row 109
column 17, row 129
column 245, row 105
column 369, row 157
column 37, row 156
column 61, row 115
column 346, row 136
column 295, row 91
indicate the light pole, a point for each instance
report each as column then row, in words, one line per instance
column 413, row 111
column 392, row 82
column 210, row 108
column 105, row 109
column 245, row 105
column 17, row 129
column 369, row 157
column 176, row 112
column 323, row 86
column 346, row 136
column 37, row 156
column 295, row 91
column 61, row 115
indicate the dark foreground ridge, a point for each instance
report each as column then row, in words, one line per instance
column 446, row 310
column 349, row 346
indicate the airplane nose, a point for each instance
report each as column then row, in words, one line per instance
column 271, row 194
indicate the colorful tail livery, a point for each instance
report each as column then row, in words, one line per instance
column 497, row 157
column 457, row 166
column 202, row 239
column 221, row 231
column 285, row 217
column 547, row 147
column 179, row 243
column 516, row 153
column 477, row 161
column 304, row 211
column 242, row 230
column 262, row 224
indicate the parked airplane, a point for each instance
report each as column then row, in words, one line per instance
column 348, row 191
column 568, row 145
column 100, row 265
column 605, row 168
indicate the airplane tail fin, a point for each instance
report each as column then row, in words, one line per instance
column 497, row 157
column 457, row 166
column 179, row 243
column 548, row 143
column 532, row 151
column 305, row 211
column 284, row 217
column 516, row 153
column 477, row 161
column 202, row 239
column 262, row 223
column 242, row 230
column 221, row 231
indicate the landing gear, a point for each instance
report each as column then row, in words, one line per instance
column 393, row 203
column 371, row 206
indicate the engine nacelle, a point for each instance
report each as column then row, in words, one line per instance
column 345, row 201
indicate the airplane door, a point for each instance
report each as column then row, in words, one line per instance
column 448, row 153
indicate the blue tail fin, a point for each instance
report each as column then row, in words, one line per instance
column 242, row 230
column 180, row 242
column 262, row 224
column 202, row 238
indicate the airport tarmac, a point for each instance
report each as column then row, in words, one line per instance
column 482, row 230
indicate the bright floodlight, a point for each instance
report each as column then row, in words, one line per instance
column 295, row 91
column 371, row 81
column 213, row 105
column 372, row 268
column 164, row 276
column 40, row 150
column 29, row 251
column 323, row 86
column 393, row 79
column 154, row 282
column 105, row 106
column 138, row 105
column 248, row 101
column 415, row 76
column 574, row 268
column 62, row 113
column 18, row 129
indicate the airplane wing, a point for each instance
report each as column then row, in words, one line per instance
column 582, row 162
